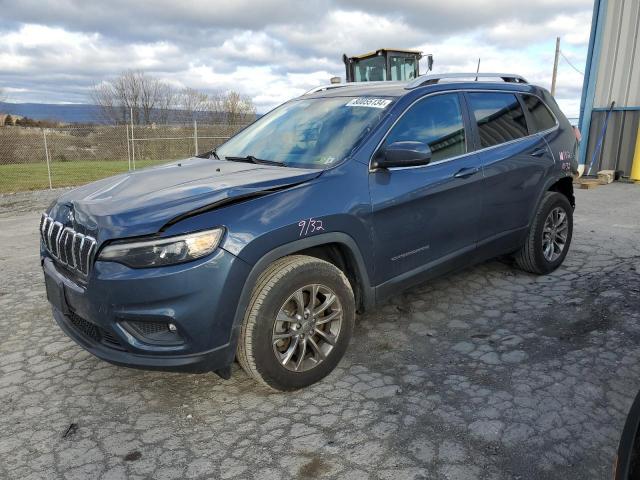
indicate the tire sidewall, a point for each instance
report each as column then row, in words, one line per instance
column 266, row 363
column 549, row 203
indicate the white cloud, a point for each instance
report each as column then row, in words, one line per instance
column 273, row 50
column 573, row 29
column 352, row 32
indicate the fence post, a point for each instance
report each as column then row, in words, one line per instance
column 133, row 151
column 46, row 154
column 128, row 147
column 195, row 136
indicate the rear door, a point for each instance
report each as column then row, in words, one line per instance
column 428, row 213
column 515, row 162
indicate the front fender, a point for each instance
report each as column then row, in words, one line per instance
column 260, row 230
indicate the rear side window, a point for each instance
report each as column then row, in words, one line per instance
column 499, row 116
column 542, row 118
column 436, row 121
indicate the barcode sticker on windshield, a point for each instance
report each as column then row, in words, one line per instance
column 368, row 102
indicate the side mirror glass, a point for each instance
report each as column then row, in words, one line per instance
column 402, row 154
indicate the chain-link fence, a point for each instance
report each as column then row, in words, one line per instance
column 38, row 158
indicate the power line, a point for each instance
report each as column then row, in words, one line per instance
column 571, row 64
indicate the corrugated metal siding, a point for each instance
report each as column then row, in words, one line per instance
column 617, row 79
column 616, row 152
column 619, row 70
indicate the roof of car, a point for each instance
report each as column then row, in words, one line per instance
column 385, row 89
column 444, row 82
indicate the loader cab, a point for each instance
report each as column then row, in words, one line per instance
column 384, row 64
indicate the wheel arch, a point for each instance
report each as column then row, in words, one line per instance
column 561, row 184
column 564, row 186
column 341, row 256
column 336, row 248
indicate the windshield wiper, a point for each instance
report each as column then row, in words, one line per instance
column 252, row 159
column 209, row 154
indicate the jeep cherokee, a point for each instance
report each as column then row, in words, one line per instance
column 265, row 248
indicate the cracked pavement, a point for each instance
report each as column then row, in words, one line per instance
column 490, row 373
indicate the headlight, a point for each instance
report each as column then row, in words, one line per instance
column 162, row 251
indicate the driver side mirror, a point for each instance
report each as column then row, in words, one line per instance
column 402, row 154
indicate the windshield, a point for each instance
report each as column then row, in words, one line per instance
column 313, row 132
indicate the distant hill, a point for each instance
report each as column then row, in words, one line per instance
column 66, row 113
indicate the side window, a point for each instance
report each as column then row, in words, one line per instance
column 500, row 117
column 436, row 121
column 542, row 118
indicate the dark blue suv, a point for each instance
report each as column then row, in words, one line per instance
column 264, row 249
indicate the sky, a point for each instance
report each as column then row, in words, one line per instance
column 54, row 51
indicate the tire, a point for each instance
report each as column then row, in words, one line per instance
column 271, row 350
column 533, row 256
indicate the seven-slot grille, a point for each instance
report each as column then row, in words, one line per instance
column 70, row 248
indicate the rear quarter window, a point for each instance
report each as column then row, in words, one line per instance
column 540, row 114
column 499, row 117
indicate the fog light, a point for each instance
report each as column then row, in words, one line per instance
column 153, row 332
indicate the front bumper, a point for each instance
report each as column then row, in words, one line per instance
column 199, row 299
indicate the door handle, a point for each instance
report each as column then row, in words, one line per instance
column 539, row 152
column 466, row 172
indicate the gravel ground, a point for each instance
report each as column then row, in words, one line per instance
column 490, row 373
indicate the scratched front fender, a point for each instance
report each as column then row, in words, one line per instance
column 337, row 201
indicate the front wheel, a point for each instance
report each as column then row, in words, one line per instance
column 549, row 237
column 298, row 324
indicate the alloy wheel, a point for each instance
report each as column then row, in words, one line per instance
column 554, row 234
column 307, row 327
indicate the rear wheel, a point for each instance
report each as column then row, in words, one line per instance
column 549, row 237
column 298, row 324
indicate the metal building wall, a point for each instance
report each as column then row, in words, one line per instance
column 616, row 77
column 617, row 149
column 619, row 70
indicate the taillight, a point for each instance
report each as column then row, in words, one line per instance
column 576, row 131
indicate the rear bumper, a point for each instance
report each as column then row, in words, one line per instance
column 109, row 314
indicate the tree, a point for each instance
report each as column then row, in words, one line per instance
column 134, row 93
column 150, row 100
column 195, row 105
column 30, row 122
column 239, row 109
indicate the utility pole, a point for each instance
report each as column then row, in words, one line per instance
column 555, row 68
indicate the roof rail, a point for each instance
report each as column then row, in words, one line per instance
column 331, row 86
column 424, row 80
column 322, row 88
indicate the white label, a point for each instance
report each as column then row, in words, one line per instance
column 368, row 102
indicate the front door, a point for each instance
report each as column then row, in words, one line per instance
column 427, row 214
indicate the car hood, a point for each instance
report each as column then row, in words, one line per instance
column 143, row 201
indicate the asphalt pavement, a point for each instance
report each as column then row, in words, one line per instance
column 490, row 373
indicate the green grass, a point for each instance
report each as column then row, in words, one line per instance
column 33, row 176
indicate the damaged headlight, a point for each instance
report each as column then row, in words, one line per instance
column 158, row 252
